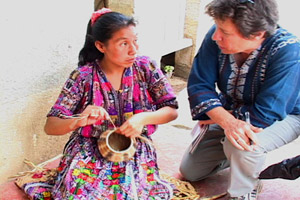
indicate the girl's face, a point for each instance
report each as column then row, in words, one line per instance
column 121, row 49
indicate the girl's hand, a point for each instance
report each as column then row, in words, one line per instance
column 133, row 127
column 58, row 126
column 91, row 115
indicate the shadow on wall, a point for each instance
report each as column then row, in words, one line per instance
column 39, row 48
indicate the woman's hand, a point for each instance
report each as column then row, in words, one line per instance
column 241, row 134
column 91, row 115
column 133, row 127
column 59, row 126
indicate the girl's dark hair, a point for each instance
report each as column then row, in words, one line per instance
column 102, row 30
column 250, row 16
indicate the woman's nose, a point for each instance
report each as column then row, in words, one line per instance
column 216, row 36
column 133, row 49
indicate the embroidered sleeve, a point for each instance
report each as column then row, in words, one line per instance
column 202, row 79
column 160, row 89
column 73, row 95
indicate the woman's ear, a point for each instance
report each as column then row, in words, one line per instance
column 100, row 46
column 259, row 35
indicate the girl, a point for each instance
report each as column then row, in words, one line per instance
column 111, row 84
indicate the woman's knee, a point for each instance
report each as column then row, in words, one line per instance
column 192, row 168
column 232, row 152
column 187, row 167
column 240, row 157
column 186, row 172
column 198, row 168
column 192, row 173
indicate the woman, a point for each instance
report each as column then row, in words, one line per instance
column 111, row 87
column 256, row 66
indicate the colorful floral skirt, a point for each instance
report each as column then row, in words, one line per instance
column 84, row 174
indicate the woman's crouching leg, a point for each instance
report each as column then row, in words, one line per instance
column 245, row 167
column 207, row 158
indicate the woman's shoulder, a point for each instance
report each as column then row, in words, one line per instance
column 283, row 50
column 284, row 40
column 82, row 72
column 146, row 68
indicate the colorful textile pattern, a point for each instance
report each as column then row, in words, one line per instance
column 39, row 183
column 83, row 172
column 88, row 176
column 40, row 192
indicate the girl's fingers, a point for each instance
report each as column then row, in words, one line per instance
column 104, row 114
column 94, row 113
column 97, row 113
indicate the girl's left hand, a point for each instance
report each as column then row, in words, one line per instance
column 133, row 127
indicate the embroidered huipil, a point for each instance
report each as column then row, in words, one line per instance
column 266, row 85
column 83, row 172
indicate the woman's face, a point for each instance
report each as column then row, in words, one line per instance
column 121, row 49
column 231, row 41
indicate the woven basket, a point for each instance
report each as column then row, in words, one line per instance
column 116, row 147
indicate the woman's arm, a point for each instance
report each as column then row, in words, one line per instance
column 134, row 126
column 58, row 126
column 203, row 77
column 238, row 132
column 160, row 116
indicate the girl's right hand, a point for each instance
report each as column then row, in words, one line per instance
column 91, row 115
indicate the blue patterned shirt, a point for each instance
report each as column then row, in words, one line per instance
column 267, row 85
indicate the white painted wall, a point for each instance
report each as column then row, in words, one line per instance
column 289, row 15
column 161, row 26
column 40, row 41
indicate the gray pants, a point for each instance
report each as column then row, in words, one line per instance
column 215, row 153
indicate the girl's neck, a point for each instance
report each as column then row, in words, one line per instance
column 113, row 73
column 109, row 68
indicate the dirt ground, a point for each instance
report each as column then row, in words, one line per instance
column 178, row 83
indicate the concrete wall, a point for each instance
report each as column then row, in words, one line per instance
column 153, row 28
column 184, row 58
column 40, row 41
column 123, row 6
